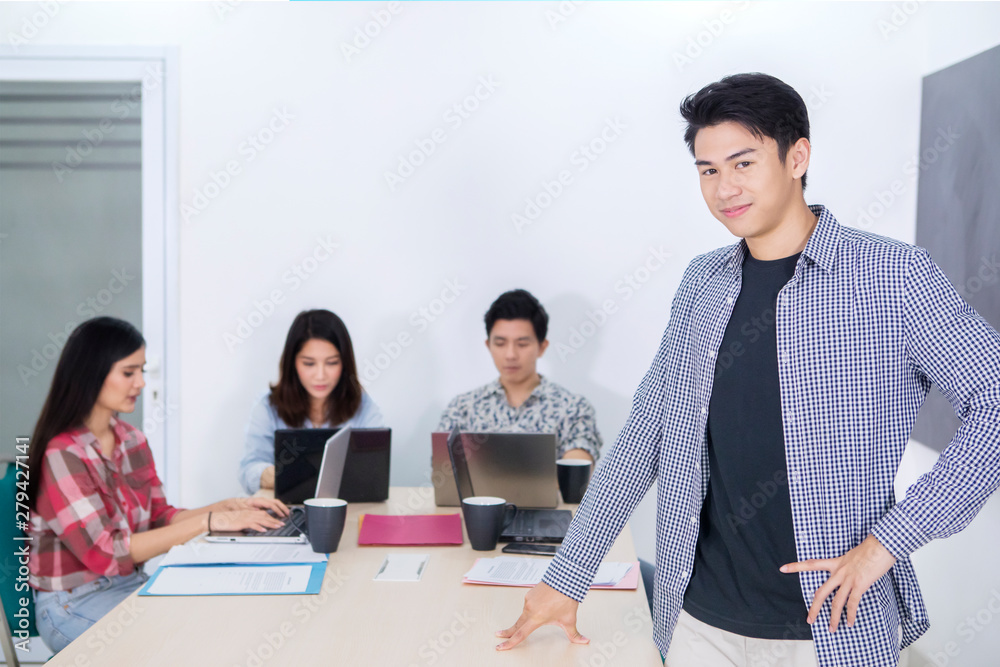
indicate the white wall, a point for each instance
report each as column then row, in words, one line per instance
column 859, row 66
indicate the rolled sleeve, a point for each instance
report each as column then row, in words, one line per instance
column 258, row 449
column 581, row 430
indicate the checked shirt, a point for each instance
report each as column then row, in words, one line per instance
column 89, row 506
column 864, row 327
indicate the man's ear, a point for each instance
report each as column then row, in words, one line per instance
column 798, row 157
column 542, row 347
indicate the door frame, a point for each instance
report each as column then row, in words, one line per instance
column 156, row 68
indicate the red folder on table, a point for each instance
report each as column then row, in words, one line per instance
column 413, row 529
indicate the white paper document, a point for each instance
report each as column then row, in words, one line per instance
column 514, row 571
column 222, row 553
column 231, row 580
column 402, row 567
column 508, row 570
column 610, row 573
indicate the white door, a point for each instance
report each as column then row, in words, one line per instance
column 88, row 223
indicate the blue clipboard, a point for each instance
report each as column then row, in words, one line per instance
column 312, row 587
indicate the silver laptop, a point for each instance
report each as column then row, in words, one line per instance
column 519, row 467
column 331, row 471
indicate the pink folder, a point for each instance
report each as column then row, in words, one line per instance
column 413, row 529
column 629, row 582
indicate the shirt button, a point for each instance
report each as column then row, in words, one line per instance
column 703, row 411
column 694, row 519
column 711, row 353
column 729, row 299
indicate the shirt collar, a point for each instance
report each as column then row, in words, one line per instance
column 84, row 436
column 821, row 248
column 543, row 389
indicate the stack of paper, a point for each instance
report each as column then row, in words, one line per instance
column 220, row 553
column 207, row 568
column 513, row 571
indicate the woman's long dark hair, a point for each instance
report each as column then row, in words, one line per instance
column 289, row 397
column 90, row 352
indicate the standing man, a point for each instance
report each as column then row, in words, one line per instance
column 774, row 417
column 521, row 400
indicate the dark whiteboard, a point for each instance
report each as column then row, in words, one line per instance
column 958, row 200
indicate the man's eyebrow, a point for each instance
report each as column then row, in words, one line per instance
column 745, row 151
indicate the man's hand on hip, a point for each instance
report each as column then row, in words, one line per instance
column 850, row 576
column 543, row 605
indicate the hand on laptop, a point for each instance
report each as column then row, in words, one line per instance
column 543, row 605
column 277, row 507
column 254, row 519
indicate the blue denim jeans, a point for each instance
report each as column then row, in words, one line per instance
column 62, row 616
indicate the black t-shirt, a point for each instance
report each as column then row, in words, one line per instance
column 746, row 529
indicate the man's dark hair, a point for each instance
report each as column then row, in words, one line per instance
column 764, row 105
column 518, row 304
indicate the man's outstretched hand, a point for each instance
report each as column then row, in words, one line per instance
column 850, row 575
column 543, row 605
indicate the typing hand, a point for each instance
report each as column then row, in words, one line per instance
column 851, row 576
column 254, row 519
column 273, row 505
column 543, row 605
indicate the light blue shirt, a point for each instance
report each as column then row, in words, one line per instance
column 264, row 421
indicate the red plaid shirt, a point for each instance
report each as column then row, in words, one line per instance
column 89, row 506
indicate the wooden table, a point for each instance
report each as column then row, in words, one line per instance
column 357, row 622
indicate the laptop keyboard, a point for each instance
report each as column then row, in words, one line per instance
column 295, row 523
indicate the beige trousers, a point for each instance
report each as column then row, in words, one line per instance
column 697, row 644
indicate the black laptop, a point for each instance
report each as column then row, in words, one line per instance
column 298, row 454
column 529, row 525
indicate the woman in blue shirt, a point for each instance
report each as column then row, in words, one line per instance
column 318, row 387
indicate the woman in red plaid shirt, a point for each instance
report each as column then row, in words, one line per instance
column 98, row 511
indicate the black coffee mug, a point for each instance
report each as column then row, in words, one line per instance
column 325, row 518
column 486, row 517
column 574, row 475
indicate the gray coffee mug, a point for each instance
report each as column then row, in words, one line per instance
column 325, row 518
